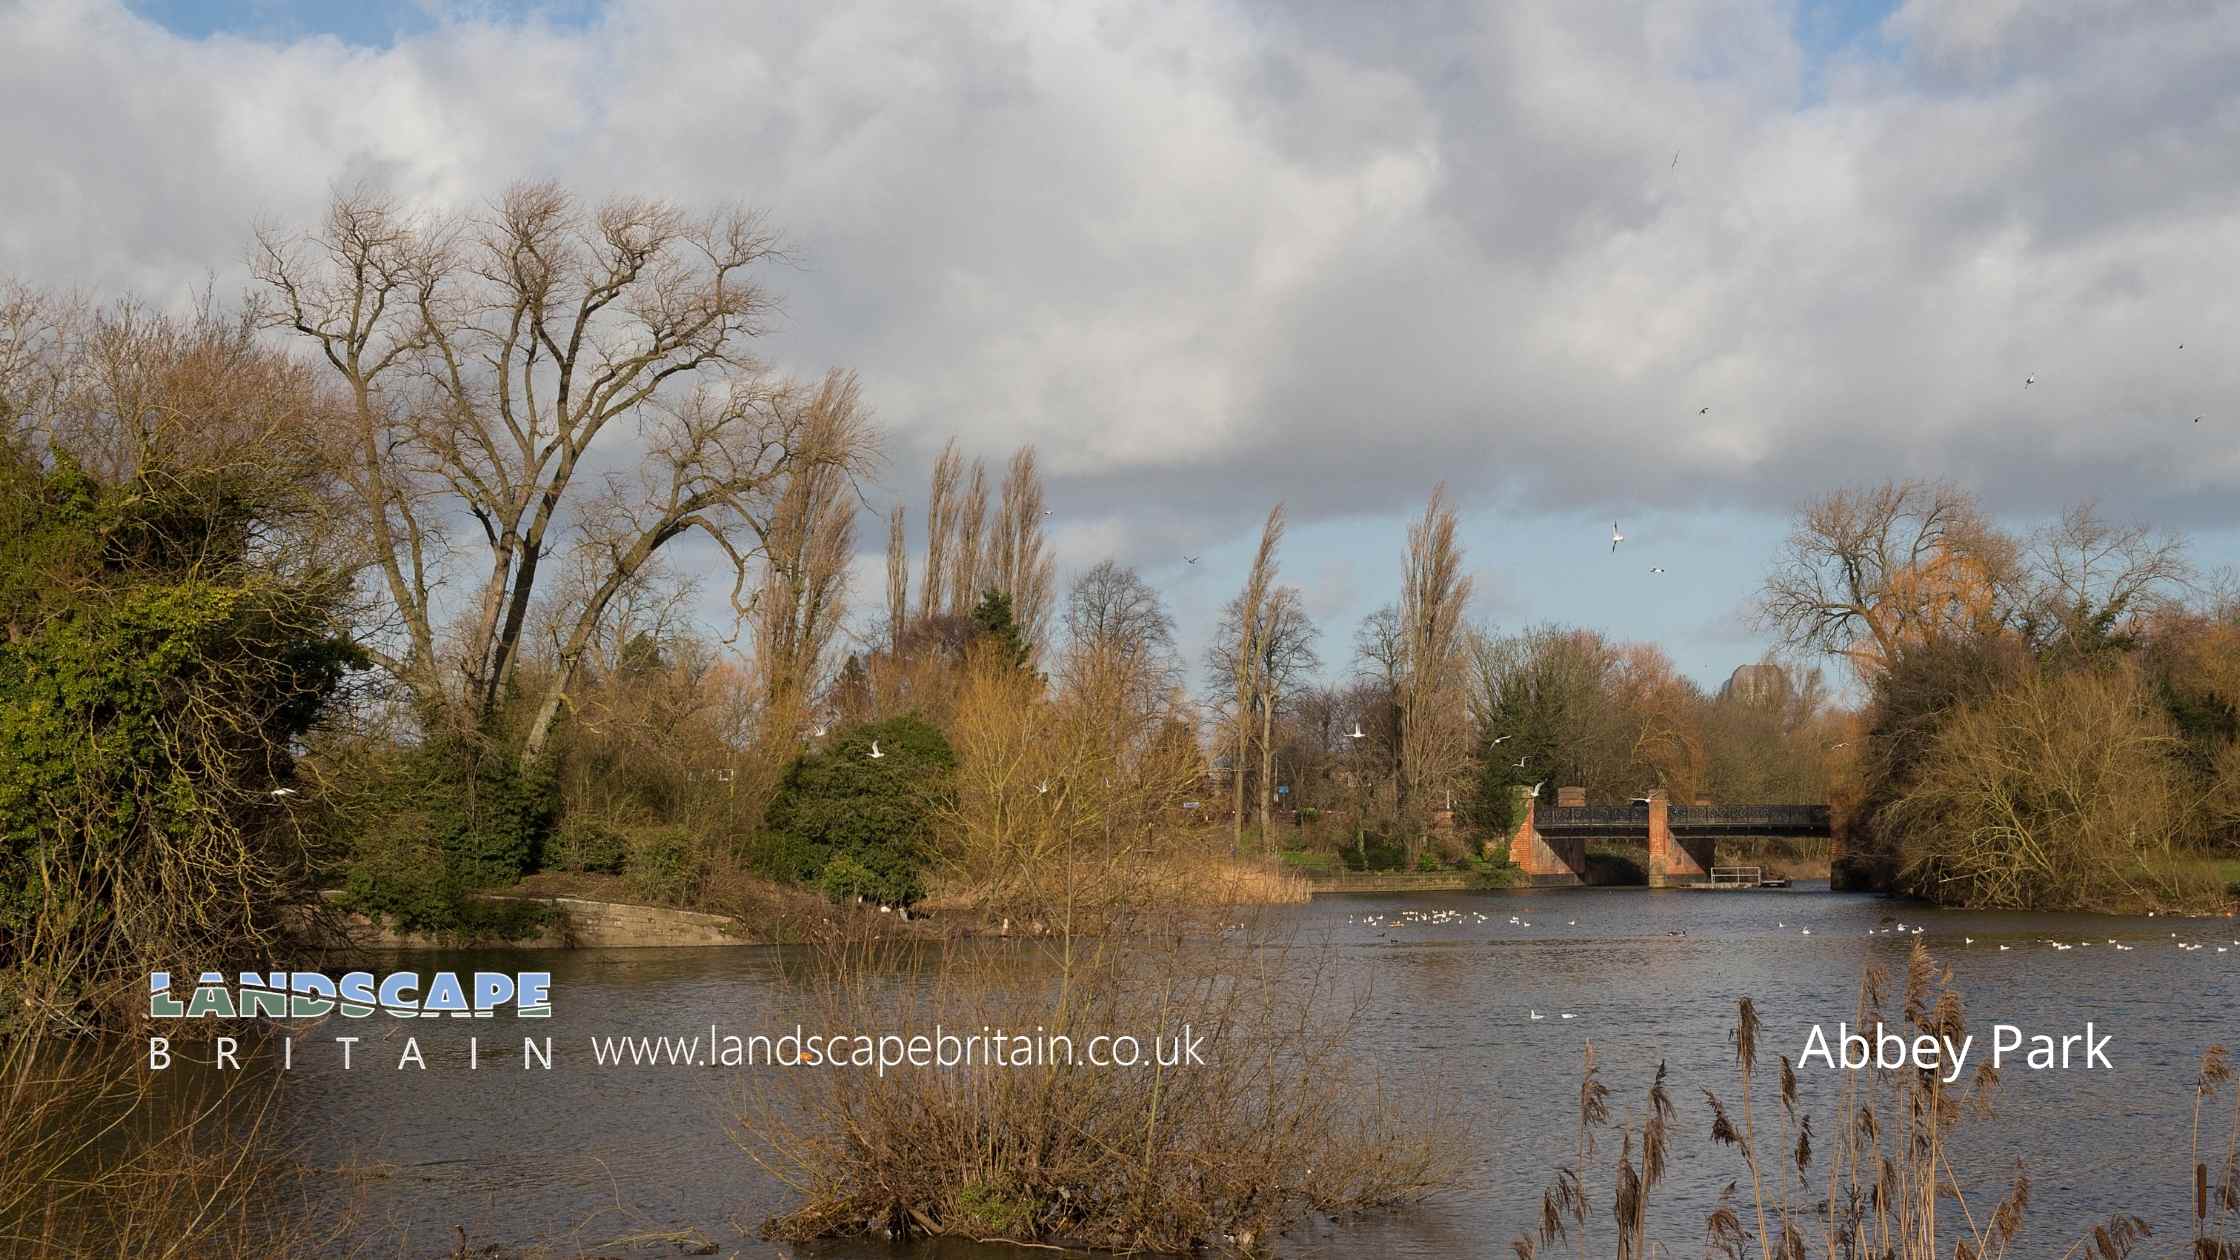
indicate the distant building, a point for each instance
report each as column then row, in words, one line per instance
column 1760, row 683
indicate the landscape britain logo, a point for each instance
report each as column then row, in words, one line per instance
column 354, row 995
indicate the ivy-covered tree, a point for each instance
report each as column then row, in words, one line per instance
column 153, row 679
column 857, row 825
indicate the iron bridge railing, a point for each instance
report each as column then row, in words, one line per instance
column 1596, row 821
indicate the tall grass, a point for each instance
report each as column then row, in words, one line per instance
column 1885, row 1188
column 93, row 1164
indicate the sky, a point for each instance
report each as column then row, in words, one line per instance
column 1210, row 256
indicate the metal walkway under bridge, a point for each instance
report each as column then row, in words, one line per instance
column 1550, row 842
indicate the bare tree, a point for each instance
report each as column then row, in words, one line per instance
column 2088, row 572
column 1237, row 651
column 1021, row 568
column 1380, row 661
column 804, row 592
column 1112, row 604
column 1865, row 573
column 1434, row 593
column 968, row 556
column 941, row 529
column 484, row 360
column 1286, row 656
column 898, row 580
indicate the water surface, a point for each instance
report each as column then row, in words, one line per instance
column 601, row 1153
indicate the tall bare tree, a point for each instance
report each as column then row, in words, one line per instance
column 1434, row 594
column 804, row 593
column 1236, row 655
column 493, row 363
column 941, row 530
column 1285, row 656
column 1022, row 568
column 968, row 555
column 898, row 580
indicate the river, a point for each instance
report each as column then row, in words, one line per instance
column 587, row 1154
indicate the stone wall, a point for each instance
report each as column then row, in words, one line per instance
column 579, row 924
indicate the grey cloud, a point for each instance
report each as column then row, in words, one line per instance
column 1209, row 256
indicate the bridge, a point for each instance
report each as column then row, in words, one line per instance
column 1550, row 842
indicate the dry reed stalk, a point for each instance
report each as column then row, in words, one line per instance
column 95, row 1164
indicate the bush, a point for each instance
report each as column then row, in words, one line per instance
column 1378, row 854
column 452, row 816
column 663, row 864
column 877, row 814
column 2060, row 792
column 156, row 670
column 590, row 845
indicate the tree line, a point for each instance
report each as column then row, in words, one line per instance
column 2051, row 717
column 371, row 582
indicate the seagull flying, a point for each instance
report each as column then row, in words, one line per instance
column 875, row 753
column 1520, row 763
column 1535, row 1015
column 1189, row 559
column 1615, row 536
column 2028, row 381
column 1356, row 732
column 1656, row 568
column 1043, row 789
column 1703, row 411
column 1499, row 738
column 1536, row 788
column 283, row 791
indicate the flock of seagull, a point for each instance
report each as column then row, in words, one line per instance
column 1466, row 918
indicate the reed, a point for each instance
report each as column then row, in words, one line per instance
column 1886, row 1171
column 93, row 1164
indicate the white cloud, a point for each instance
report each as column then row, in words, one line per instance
column 1210, row 255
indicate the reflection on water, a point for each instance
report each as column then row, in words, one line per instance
column 614, row 1151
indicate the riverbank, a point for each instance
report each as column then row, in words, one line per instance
column 579, row 910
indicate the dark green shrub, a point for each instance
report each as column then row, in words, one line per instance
column 589, row 845
column 838, row 802
column 664, row 865
column 1491, row 807
column 452, row 816
column 1377, row 854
